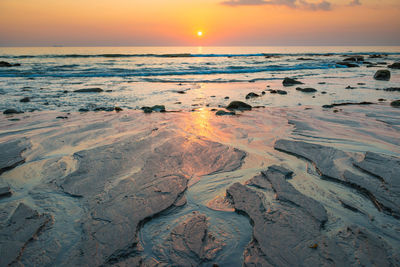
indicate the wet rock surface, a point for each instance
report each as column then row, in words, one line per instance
column 190, row 243
column 290, row 233
column 290, row 82
column 119, row 207
column 384, row 192
column 382, row 75
column 89, row 90
column 11, row 154
column 23, row 225
column 306, row 90
column 238, row 105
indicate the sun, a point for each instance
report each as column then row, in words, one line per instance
column 199, row 33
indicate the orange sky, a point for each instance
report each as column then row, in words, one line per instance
column 176, row 22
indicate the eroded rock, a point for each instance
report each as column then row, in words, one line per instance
column 190, row 243
column 24, row 224
column 11, row 154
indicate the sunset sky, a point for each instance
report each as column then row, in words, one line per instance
column 177, row 22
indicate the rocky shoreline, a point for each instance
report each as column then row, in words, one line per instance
column 318, row 187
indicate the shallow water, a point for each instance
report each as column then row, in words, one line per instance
column 133, row 77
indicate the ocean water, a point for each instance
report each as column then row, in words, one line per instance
column 132, row 77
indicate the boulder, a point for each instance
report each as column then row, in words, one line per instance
column 239, row 105
column 25, row 100
column 223, row 112
column 306, row 90
column 395, row 103
column 395, row 65
column 289, row 82
column 252, row 95
column 382, row 75
column 12, row 111
column 89, row 90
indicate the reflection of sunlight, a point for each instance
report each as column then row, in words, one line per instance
column 199, row 49
column 199, row 123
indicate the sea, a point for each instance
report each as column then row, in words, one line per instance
column 187, row 78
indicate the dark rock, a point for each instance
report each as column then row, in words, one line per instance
column 306, row 90
column 289, row 82
column 281, row 92
column 83, row 110
column 223, row 112
column 109, row 91
column 156, row 108
column 118, row 208
column 395, row 103
column 392, row 89
column 5, row 191
column 381, row 99
column 354, row 58
column 384, row 192
column 22, row 227
column 118, row 109
column 375, row 56
column 25, row 100
column 303, row 58
column 350, row 87
column 11, row 154
column 65, row 91
column 190, row 243
column 8, row 65
column 360, row 83
column 322, row 83
column 89, row 90
column 226, row 97
column 239, row 105
column 323, row 92
column 347, row 64
column 61, row 117
column 181, row 92
column 382, row 75
column 395, row 65
column 263, row 92
column 251, row 95
column 347, row 104
column 108, row 109
column 12, row 111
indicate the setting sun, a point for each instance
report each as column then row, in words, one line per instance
column 199, row 33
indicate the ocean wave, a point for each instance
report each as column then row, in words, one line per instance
column 150, row 72
column 188, row 55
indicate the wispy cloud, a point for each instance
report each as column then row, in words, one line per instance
column 323, row 5
column 355, row 3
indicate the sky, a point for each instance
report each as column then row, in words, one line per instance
column 176, row 22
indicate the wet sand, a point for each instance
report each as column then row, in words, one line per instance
column 274, row 186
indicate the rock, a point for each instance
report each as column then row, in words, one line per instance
column 83, row 110
column 226, row 97
column 120, row 200
column 280, row 92
column 289, row 82
column 322, row 83
column 354, row 58
column 11, row 154
column 156, row 108
column 395, row 65
column 392, row 89
column 8, row 65
column 306, row 90
column 288, row 232
column 118, row 109
column 323, row 92
column 375, row 56
column 61, row 117
column 263, row 93
column 12, row 111
column 25, row 100
column 382, row 75
column 360, row 83
column 383, row 193
column 347, row 64
column 252, row 95
column 395, row 103
column 303, row 58
column 5, row 191
column 22, row 227
column 223, row 112
column 104, row 109
column 65, row 91
column 181, row 92
column 239, row 105
column 190, row 243
column 89, row 90
column 347, row 104
column 381, row 99
column 350, row 87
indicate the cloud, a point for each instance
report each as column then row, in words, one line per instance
column 355, row 3
column 323, row 5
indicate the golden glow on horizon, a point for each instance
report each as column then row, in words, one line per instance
column 207, row 22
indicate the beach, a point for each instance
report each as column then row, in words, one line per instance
column 145, row 159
